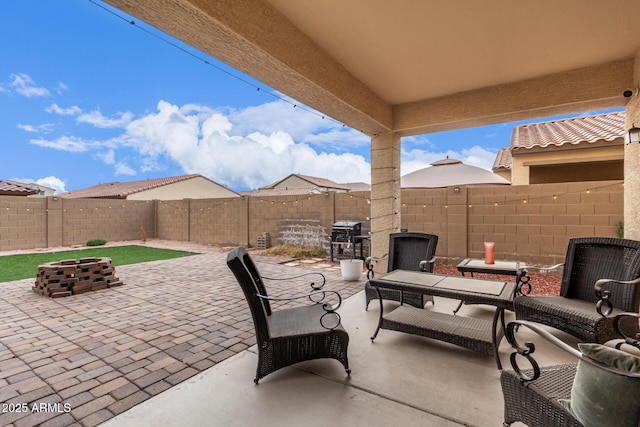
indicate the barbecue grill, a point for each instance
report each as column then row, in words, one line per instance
column 345, row 235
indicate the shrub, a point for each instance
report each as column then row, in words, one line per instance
column 96, row 242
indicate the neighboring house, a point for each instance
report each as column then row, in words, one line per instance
column 450, row 172
column 357, row 186
column 587, row 148
column 296, row 184
column 502, row 164
column 193, row 186
column 43, row 191
column 13, row 188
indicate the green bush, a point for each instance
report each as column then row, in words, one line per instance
column 620, row 229
column 96, row 242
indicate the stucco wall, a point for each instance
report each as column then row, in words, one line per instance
column 572, row 160
column 194, row 188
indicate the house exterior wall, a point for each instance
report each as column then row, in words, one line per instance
column 531, row 223
column 293, row 182
column 194, row 188
column 503, row 173
column 567, row 164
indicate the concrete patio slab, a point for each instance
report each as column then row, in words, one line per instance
column 397, row 380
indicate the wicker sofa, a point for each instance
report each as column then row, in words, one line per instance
column 602, row 389
column 614, row 265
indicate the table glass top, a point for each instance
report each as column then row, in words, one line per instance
column 498, row 265
column 464, row 284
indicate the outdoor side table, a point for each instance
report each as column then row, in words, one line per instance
column 517, row 269
column 473, row 265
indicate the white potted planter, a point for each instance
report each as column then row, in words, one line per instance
column 351, row 269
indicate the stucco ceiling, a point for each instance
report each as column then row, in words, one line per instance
column 416, row 66
column 410, row 50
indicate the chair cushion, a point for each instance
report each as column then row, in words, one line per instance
column 605, row 399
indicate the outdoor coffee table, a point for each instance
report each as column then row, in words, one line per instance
column 478, row 335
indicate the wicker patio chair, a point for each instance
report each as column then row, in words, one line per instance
column 292, row 335
column 585, row 289
column 602, row 389
column 407, row 251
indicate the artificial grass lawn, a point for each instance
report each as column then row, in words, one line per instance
column 17, row 267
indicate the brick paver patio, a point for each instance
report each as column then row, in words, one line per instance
column 83, row 359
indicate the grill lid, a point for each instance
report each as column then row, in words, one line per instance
column 346, row 224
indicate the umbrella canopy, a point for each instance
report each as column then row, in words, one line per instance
column 448, row 172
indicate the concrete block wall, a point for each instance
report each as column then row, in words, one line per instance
column 38, row 222
column 173, row 220
column 535, row 222
column 268, row 214
column 112, row 220
column 355, row 206
column 219, row 221
column 532, row 223
column 23, row 222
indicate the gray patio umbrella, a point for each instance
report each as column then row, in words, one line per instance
column 448, row 172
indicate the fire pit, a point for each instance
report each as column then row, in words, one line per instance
column 70, row 277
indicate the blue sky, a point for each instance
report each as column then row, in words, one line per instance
column 86, row 98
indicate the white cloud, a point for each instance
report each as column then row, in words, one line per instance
column 62, row 88
column 52, row 182
column 208, row 142
column 302, row 126
column 71, row 111
column 65, row 143
column 43, row 128
column 121, row 168
column 49, row 181
column 24, row 85
column 96, row 119
column 108, row 157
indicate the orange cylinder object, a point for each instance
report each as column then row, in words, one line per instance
column 489, row 255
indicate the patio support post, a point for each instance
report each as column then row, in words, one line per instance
column 385, row 194
column 632, row 163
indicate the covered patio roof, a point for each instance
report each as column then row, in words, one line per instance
column 408, row 67
column 414, row 67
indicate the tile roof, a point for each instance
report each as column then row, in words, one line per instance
column 357, row 186
column 503, row 160
column 120, row 190
column 13, row 188
column 589, row 129
column 314, row 181
column 300, row 191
